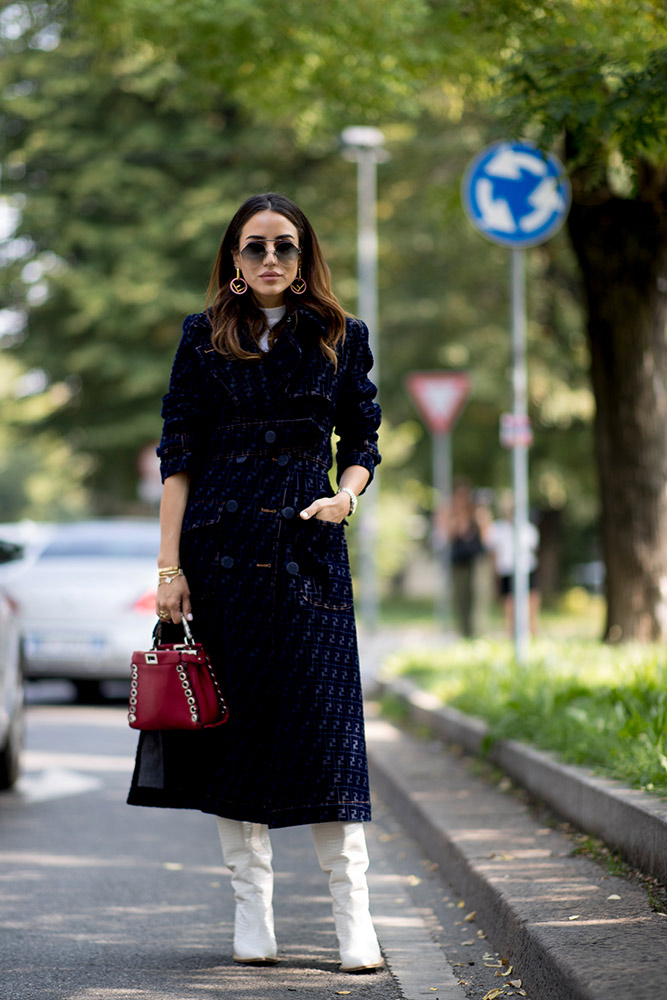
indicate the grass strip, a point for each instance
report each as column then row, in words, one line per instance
column 604, row 707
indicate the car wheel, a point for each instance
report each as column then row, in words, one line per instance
column 10, row 754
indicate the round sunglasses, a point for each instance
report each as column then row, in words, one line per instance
column 255, row 252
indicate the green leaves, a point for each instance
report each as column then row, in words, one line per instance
column 595, row 705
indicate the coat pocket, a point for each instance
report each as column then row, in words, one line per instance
column 200, row 513
column 325, row 580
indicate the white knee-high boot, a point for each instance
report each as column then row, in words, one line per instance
column 341, row 850
column 246, row 848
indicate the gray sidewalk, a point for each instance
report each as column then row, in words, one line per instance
column 576, row 933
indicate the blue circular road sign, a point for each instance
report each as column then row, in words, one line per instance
column 516, row 195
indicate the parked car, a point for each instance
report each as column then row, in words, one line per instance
column 88, row 600
column 11, row 678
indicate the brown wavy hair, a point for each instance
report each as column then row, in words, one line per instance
column 229, row 313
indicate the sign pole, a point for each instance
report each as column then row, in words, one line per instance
column 520, row 454
column 439, row 398
column 517, row 196
column 442, row 482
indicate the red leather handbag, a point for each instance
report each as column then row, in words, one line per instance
column 173, row 686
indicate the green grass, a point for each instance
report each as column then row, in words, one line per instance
column 600, row 706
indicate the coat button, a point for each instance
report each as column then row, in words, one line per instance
column 270, row 437
column 288, row 513
column 226, row 562
column 241, row 458
column 232, row 506
column 292, row 568
column 282, row 459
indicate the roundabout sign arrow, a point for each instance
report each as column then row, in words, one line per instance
column 516, row 195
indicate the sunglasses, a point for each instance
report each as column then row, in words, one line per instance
column 255, row 252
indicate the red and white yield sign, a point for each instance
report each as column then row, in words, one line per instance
column 439, row 397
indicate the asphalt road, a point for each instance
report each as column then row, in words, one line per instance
column 102, row 901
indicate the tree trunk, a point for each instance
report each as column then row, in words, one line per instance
column 621, row 245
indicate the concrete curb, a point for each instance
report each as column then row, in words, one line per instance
column 569, row 931
column 629, row 820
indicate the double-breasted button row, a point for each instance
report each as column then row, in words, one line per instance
column 287, row 512
column 282, row 460
column 292, row 568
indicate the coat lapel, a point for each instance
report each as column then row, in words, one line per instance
column 250, row 384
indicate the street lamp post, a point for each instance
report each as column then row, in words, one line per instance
column 364, row 145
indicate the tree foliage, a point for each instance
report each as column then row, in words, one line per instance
column 133, row 129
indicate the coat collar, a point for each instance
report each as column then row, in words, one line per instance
column 250, row 383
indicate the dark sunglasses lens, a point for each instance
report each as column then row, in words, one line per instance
column 254, row 253
column 286, row 252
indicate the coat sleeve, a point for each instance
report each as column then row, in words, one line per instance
column 181, row 408
column 357, row 415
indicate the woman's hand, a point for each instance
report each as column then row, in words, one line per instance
column 174, row 599
column 333, row 509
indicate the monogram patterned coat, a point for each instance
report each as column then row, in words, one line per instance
column 271, row 593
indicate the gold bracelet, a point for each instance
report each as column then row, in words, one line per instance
column 166, row 570
column 164, row 578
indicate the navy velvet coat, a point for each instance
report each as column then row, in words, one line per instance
column 271, row 593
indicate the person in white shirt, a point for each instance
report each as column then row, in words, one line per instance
column 499, row 540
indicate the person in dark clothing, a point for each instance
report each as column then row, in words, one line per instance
column 253, row 551
column 458, row 524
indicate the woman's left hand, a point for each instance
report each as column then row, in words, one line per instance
column 333, row 509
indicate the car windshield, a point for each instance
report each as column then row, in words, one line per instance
column 105, row 542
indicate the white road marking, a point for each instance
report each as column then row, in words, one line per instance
column 55, row 783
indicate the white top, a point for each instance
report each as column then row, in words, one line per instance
column 499, row 539
column 273, row 316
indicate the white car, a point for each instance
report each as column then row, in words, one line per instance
column 88, row 600
column 11, row 679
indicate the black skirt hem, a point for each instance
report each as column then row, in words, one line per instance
column 350, row 812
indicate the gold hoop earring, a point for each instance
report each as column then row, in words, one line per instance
column 238, row 284
column 299, row 285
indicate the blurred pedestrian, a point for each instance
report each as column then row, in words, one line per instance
column 253, row 549
column 499, row 540
column 457, row 524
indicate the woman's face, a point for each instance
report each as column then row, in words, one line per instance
column 268, row 274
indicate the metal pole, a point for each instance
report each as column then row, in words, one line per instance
column 520, row 454
column 367, row 247
column 442, row 483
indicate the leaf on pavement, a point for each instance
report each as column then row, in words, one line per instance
column 516, row 983
column 575, row 916
column 461, row 904
column 613, row 896
column 492, row 994
column 469, row 917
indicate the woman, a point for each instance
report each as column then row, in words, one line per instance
column 458, row 524
column 253, row 550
